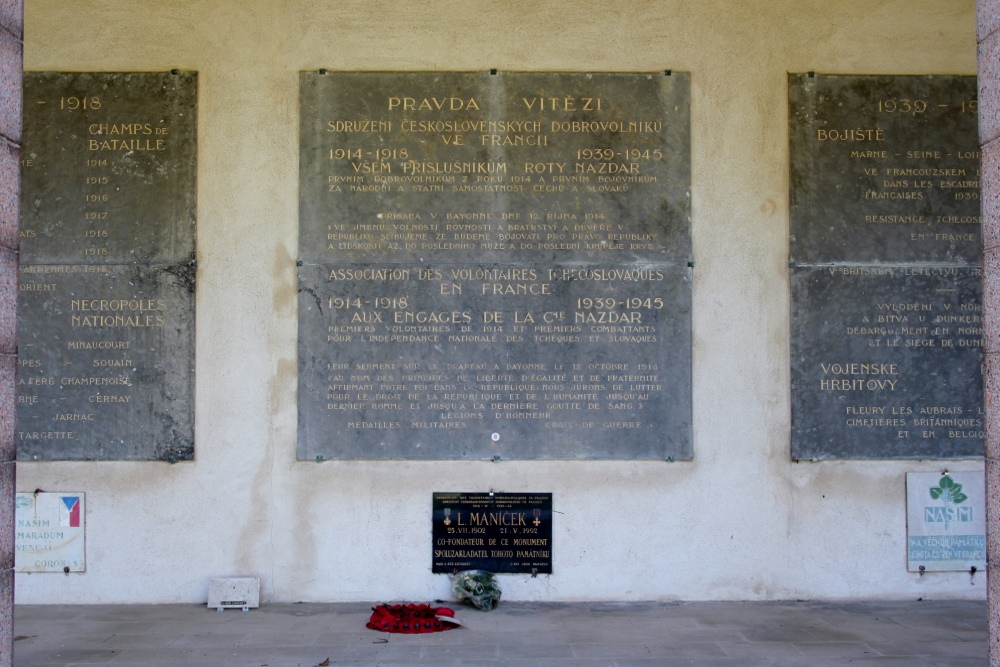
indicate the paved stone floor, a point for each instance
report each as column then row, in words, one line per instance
column 948, row 633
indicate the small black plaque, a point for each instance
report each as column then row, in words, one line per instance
column 109, row 167
column 885, row 362
column 496, row 532
column 105, row 356
column 495, row 265
column 884, row 168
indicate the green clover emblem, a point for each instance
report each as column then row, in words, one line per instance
column 948, row 492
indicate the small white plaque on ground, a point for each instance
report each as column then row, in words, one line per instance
column 49, row 533
column 945, row 521
column 234, row 593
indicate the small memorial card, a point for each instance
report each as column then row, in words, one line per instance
column 50, row 531
column 945, row 521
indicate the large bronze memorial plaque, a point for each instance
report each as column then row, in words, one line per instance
column 107, row 275
column 886, row 282
column 494, row 265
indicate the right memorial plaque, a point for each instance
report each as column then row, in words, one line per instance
column 885, row 272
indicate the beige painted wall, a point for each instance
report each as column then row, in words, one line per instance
column 740, row 522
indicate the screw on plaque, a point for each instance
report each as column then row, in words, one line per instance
column 534, row 573
column 66, row 569
column 922, row 569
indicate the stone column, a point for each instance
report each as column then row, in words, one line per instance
column 11, row 67
column 988, row 35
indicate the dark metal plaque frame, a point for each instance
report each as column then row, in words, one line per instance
column 886, row 283
column 494, row 265
column 106, row 300
column 496, row 532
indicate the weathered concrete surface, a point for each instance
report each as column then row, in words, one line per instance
column 914, row 633
column 11, row 57
column 989, row 111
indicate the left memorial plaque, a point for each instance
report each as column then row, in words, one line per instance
column 106, row 297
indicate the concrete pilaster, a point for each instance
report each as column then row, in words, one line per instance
column 988, row 34
column 11, row 68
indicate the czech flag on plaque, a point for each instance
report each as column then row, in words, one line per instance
column 69, row 512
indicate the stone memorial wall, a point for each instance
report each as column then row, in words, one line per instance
column 494, row 265
column 107, row 275
column 885, row 270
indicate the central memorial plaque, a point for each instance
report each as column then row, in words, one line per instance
column 494, row 265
